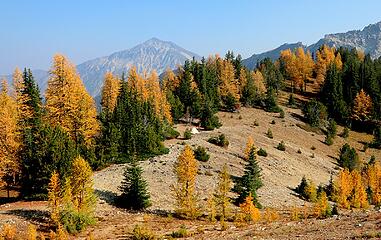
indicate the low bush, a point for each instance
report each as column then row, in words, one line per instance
column 142, row 233
column 219, row 141
column 171, row 133
column 281, row 146
column 262, row 152
column 269, row 133
column 201, row 154
column 74, row 221
column 187, row 134
column 181, row 233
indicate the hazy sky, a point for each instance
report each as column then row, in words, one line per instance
column 32, row 31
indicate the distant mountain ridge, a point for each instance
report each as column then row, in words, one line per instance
column 153, row 54
column 368, row 40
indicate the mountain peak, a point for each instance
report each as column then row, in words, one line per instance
column 153, row 54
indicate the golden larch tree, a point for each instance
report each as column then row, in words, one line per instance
column 110, row 92
column 343, row 188
column 373, row 178
column 305, row 64
column 249, row 210
column 249, row 147
column 170, row 80
column 185, row 193
column 82, row 186
column 228, row 85
column 259, row 83
column 322, row 207
column 362, row 106
column 324, row 57
column 68, row 104
column 359, row 198
column 221, row 193
column 54, row 198
column 9, row 144
column 137, row 84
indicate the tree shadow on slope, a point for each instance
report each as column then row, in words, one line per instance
column 108, row 196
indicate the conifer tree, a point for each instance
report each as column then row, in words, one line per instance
column 9, row 142
column 322, row 206
column 250, row 182
column 250, row 211
column 184, row 191
column 221, row 198
column 362, row 106
column 134, row 189
column 54, row 198
column 110, row 92
column 358, row 197
column 82, row 186
column 249, row 146
column 68, row 104
column 343, row 189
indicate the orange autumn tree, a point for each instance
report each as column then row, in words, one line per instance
column 137, row 84
column 221, row 195
column 170, row 80
column 68, row 104
column 343, row 188
column 249, row 147
column 9, row 144
column 158, row 98
column 362, row 106
column 110, row 92
column 304, row 64
column 249, row 210
column 324, row 57
column 373, row 179
column 359, row 198
column 185, row 190
column 54, row 198
column 259, row 83
column 228, row 84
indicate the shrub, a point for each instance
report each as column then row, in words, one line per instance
column 273, row 121
column 269, row 133
column 332, row 128
column 201, row 154
column 281, row 113
column 187, row 134
column 314, row 112
column 313, row 148
column 281, row 146
column 219, row 141
column 328, row 140
column 240, row 117
column 171, row 133
column 299, row 151
column 142, row 233
column 291, row 100
column 376, row 143
column 348, row 157
column 345, row 133
column 181, row 233
column 256, row 123
column 75, row 221
column 262, row 152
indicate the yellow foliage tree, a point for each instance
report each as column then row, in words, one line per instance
column 373, row 178
column 304, row 64
column 110, row 92
column 68, row 104
column 228, row 85
column 324, row 57
column 259, row 83
column 343, row 188
column 290, row 62
column 170, row 80
column 249, row 146
column 221, row 197
column 137, row 84
column 248, row 208
column 82, row 186
column 359, row 198
column 184, row 191
column 9, row 144
column 32, row 232
column 362, row 106
column 322, row 207
column 54, row 198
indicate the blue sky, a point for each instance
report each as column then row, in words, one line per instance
column 32, row 31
